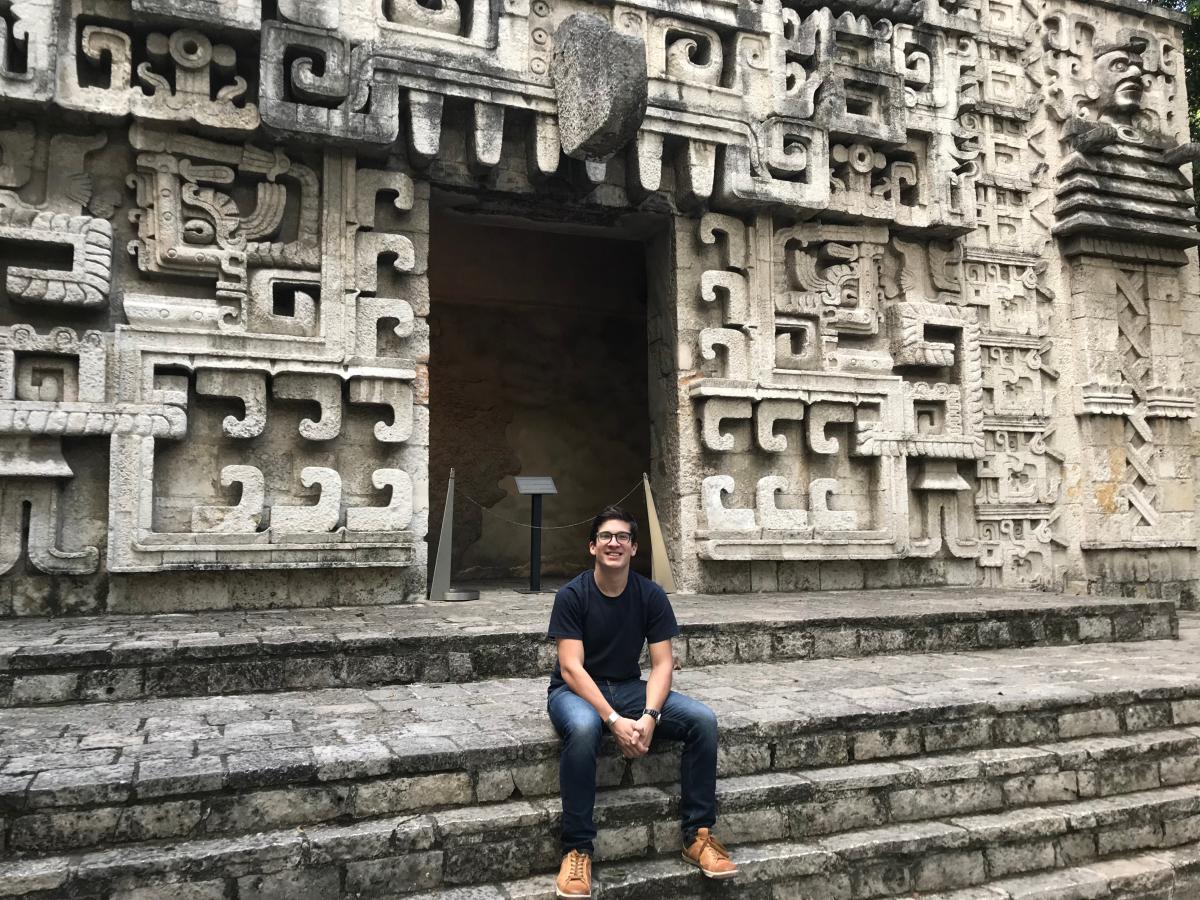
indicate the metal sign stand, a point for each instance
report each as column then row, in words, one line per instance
column 660, row 563
column 536, row 486
column 439, row 587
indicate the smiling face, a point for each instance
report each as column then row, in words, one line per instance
column 613, row 555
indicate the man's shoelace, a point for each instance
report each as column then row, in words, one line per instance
column 716, row 845
column 577, row 864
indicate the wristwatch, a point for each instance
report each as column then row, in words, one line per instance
column 652, row 713
column 612, row 718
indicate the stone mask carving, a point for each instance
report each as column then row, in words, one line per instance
column 1118, row 85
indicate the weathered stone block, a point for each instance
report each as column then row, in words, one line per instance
column 1128, row 837
column 943, row 871
column 1047, row 787
column 837, row 814
column 880, row 879
column 393, row 795
column 600, row 80
column 1024, row 857
column 827, row 749
column 945, row 800
column 1088, row 722
column 377, row 876
column 185, row 890
column 622, row 842
column 1021, row 728
column 1125, row 777
column 267, row 810
column 886, row 742
column 1144, row 716
column 957, row 735
column 309, row 883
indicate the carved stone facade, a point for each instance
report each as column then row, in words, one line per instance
column 924, row 284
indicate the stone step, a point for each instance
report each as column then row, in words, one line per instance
column 1171, row 873
column 166, row 769
column 777, row 871
column 392, row 857
column 776, row 804
column 114, row 658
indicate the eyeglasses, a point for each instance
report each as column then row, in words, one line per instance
column 623, row 537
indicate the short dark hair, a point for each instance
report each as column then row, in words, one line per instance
column 613, row 512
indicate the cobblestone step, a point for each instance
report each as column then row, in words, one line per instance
column 782, row 872
column 174, row 769
column 118, row 658
column 392, row 857
column 779, row 803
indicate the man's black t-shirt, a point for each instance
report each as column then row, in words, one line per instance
column 613, row 629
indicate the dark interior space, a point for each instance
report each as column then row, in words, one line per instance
column 537, row 367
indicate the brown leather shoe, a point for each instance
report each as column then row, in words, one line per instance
column 574, row 876
column 708, row 855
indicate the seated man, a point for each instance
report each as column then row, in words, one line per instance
column 601, row 620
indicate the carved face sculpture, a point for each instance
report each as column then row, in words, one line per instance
column 1118, row 80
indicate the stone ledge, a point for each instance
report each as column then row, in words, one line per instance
column 129, row 658
column 169, row 778
column 756, row 805
column 404, row 854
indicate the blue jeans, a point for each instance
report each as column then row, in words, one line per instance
column 581, row 729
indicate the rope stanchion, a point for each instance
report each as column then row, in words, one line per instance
column 660, row 563
column 440, row 585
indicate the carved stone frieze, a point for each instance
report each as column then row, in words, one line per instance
column 922, row 284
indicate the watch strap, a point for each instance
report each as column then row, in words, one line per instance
column 652, row 713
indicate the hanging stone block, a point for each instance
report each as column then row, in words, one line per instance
column 600, row 80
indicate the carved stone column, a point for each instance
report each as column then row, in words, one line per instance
column 1124, row 221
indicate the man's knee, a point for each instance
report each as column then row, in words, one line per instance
column 583, row 731
column 703, row 723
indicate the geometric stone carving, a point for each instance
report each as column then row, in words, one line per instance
column 771, row 517
column 719, row 517
column 185, row 77
column 767, row 413
column 947, row 231
column 393, row 517
column 824, row 518
column 248, row 387
column 44, row 553
column 371, row 311
column 324, row 390
column 821, row 415
column 85, row 284
column 32, row 30
column 242, row 518
column 732, row 286
column 322, row 516
column 715, row 411
column 737, row 365
column 395, row 395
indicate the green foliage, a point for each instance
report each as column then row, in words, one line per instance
column 1191, row 67
column 1191, row 56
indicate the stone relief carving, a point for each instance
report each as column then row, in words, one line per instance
column 1124, row 213
column 930, row 260
column 185, row 77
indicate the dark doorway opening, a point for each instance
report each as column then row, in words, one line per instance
column 537, row 366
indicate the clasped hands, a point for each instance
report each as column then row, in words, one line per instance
column 633, row 736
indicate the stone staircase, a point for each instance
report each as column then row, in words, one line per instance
column 994, row 767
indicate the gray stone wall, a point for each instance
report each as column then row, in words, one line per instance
column 922, row 279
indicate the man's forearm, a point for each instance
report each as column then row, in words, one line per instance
column 658, row 685
column 582, row 685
